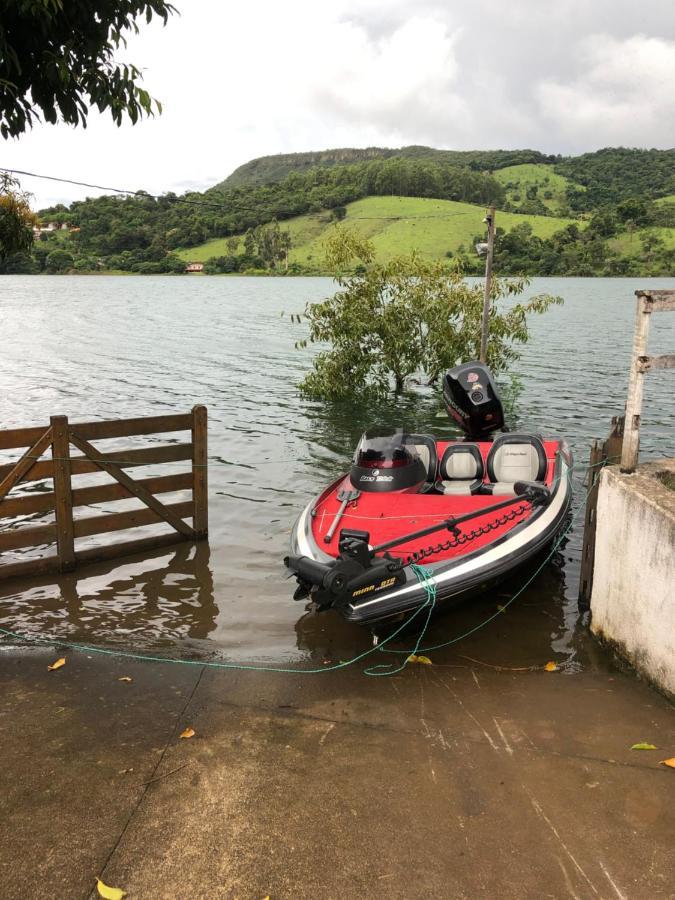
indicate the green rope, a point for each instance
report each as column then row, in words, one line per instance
column 423, row 575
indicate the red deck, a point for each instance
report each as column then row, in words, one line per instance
column 387, row 515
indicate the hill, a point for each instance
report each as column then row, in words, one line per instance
column 396, row 225
column 603, row 213
column 270, row 169
column 536, row 188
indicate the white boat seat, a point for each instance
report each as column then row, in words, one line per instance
column 514, row 457
column 425, row 445
column 461, row 470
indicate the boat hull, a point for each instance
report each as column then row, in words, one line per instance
column 464, row 576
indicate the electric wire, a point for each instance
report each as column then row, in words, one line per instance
column 206, row 203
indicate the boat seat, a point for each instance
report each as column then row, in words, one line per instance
column 514, row 457
column 425, row 445
column 461, row 470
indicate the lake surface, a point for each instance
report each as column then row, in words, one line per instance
column 114, row 347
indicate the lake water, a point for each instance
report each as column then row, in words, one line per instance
column 107, row 347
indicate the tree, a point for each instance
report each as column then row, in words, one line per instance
column 57, row 58
column 402, row 318
column 59, row 261
column 16, row 218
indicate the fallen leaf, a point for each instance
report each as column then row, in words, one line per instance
column 109, row 893
column 423, row 660
column 57, row 664
column 187, row 733
column 668, row 762
column 643, row 747
column 551, row 667
column 125, row 678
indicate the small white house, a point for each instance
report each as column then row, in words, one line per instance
column 194, row 267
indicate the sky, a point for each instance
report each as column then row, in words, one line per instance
column 238, row 81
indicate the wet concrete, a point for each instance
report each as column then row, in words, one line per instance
column 453, row 780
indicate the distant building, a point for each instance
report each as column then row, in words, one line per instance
column 50, row 228
column 194, row 267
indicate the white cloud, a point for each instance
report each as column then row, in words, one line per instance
column 244, row 80
column 624, row 93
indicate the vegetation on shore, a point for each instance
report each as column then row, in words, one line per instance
column 605, row 213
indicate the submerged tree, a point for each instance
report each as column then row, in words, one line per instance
column 57, row 58
column 402, row 318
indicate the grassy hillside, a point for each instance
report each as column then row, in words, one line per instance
column 269, row 169
column 551, row 188
column 395, row 225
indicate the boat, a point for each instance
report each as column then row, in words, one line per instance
column 417, row 517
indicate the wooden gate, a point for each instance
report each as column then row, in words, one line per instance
column 60, row 502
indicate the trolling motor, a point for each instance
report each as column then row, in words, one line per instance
column 355, row 573
column 358, row 572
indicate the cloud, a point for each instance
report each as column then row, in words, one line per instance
column 403, row 81
column 623, row 95
column 244, row 80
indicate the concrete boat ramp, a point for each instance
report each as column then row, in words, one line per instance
column 454, row 780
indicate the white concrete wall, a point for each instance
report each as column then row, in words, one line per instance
column 633, row 598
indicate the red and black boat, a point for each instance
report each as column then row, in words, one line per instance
column 470, row 511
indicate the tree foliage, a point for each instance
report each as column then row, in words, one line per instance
column 616, row 173
column 16, row 218
column 57, row 58
column 404, row 318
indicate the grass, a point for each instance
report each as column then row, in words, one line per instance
column 630, row 243
column 396, row 225
column 517, row 179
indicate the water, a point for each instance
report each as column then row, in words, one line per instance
column 106, row 347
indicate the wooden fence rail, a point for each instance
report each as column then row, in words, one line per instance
column 65, row 528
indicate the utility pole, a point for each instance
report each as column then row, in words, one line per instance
column 490, row 219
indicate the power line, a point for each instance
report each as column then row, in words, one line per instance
column 101, row 187
column 221, row 206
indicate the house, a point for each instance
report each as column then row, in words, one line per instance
column 194, row 267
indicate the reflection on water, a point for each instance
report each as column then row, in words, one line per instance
column 159, row 345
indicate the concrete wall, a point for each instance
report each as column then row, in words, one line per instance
column 633, row 599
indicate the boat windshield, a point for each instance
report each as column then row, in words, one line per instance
column 385, row 449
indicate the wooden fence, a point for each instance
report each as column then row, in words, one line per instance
column 63, row 467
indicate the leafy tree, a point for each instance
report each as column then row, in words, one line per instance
column 16, row 218
column 57, row 57
column 402, row 318
column 59, row 261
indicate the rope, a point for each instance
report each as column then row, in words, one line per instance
column 423, row 575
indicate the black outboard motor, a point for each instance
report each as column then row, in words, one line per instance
column 386, row 461
column 472, row 401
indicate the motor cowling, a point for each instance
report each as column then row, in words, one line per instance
column 472, row 400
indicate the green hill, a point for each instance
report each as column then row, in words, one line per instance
column 271, row 169
column 396, row 225
column 535, row 182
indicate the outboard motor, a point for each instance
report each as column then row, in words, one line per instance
column 472, row 401
column 385, row 461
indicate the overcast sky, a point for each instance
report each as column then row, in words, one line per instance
column 243, row 80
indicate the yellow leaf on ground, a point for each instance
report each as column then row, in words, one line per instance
column 643, row 746
column 187, row 733
column 57, row 664
column 125, row 678
column 669, row 762
column 110, row 893
column 551, row 667
column 423, row 660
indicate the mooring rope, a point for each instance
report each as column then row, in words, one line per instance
column 423, row 575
